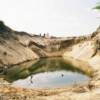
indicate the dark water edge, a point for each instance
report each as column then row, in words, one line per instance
column 55, row 71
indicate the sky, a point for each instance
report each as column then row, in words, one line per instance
column 57, row 17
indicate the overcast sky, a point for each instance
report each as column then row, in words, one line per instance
column 58, row 17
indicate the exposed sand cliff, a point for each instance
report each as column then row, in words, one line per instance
column 87, row 50
column 16, row 47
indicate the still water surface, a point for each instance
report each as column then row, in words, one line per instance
column 45, row 73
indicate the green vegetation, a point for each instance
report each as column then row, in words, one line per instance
column 97, row 6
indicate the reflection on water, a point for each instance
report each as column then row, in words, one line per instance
column 48, row 72
column 51, row 79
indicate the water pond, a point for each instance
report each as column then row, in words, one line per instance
column 45, row 73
